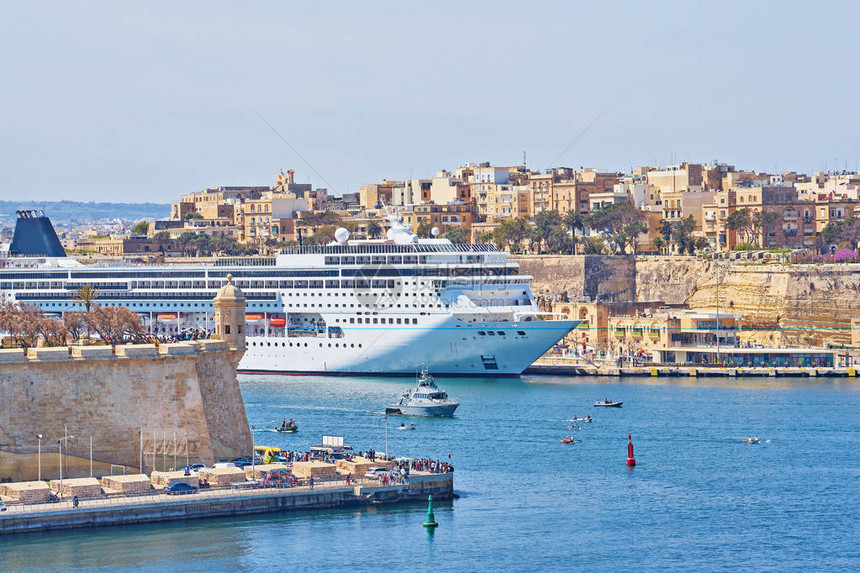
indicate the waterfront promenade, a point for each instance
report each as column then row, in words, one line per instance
column 237, row 500
column 575, row 367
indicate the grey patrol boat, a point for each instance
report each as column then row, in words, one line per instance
column 426, row 399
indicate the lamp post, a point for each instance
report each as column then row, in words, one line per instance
column 39, row 437
column 60, row 443
column 253, row 451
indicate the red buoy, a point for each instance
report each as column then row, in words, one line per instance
column 631, row 461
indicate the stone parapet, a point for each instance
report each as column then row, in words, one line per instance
column 92, row 352
column 177, row 349
column 136, row 351
column 212, row 345
column 45, row 353
column 12, row 355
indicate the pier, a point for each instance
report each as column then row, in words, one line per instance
column 233, row 501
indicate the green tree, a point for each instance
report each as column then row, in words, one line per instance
column 457, row 235
column 424, row 228
column 192, row 215
column 374, row 230
column 682, row 235
column 141, row 228
column 511, row 233
column 620, row 224
column 845, row 233
column 546, row 223
column 741, row 222
column 483, row 237
column 574, row 222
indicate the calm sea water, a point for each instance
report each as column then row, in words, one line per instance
column 699, row 499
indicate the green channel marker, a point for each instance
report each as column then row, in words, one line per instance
column 431, row 521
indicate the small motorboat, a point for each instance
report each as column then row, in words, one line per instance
column 586, row 420
column 426, row 399
column 287, row 428
column 752, row 440
column 569, row 440
column 607, row 403
column 405, row 427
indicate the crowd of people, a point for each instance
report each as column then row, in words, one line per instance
column 196, row 334
column 433, row 466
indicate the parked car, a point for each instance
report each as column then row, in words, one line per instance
column 2, row 505
column 375, row 473
column 179, row 488
column 224, row 465
column 194, row 468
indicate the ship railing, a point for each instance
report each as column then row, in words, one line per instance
column 388, row 248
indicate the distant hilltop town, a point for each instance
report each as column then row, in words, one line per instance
column 678, row 209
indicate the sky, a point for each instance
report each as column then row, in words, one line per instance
column 136, row 102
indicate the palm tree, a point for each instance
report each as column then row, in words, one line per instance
column 86, row 294
column 374, row 230
column 573, row 221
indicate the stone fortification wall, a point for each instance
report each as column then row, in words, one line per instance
column 581, row 277
column 167, row 391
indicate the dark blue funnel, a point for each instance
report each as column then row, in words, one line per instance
column 35, row 236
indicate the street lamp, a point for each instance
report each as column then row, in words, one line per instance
column 60, row 442
column 39, row 437
column 253, row 451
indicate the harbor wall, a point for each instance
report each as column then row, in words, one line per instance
column 166, row 391
column 100, row 513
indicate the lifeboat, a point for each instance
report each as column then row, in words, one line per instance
column 277, row 322
column 167, row 315
column 253, row 316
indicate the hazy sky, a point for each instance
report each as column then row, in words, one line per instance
column 143, row 101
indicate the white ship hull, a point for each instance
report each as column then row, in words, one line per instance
column 449, row 348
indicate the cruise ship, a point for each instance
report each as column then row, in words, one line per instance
column 367, row 307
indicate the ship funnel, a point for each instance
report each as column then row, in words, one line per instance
column 35, row 236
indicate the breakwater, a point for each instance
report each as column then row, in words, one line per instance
column 221, row 503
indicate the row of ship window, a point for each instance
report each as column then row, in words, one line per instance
column 499, row 332
column 304, row 344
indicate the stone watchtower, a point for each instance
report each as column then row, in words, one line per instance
column 229, row 306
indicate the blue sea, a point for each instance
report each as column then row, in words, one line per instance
column 699, row 499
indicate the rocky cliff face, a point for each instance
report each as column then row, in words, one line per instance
column 804, row 305
column 794, row 305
